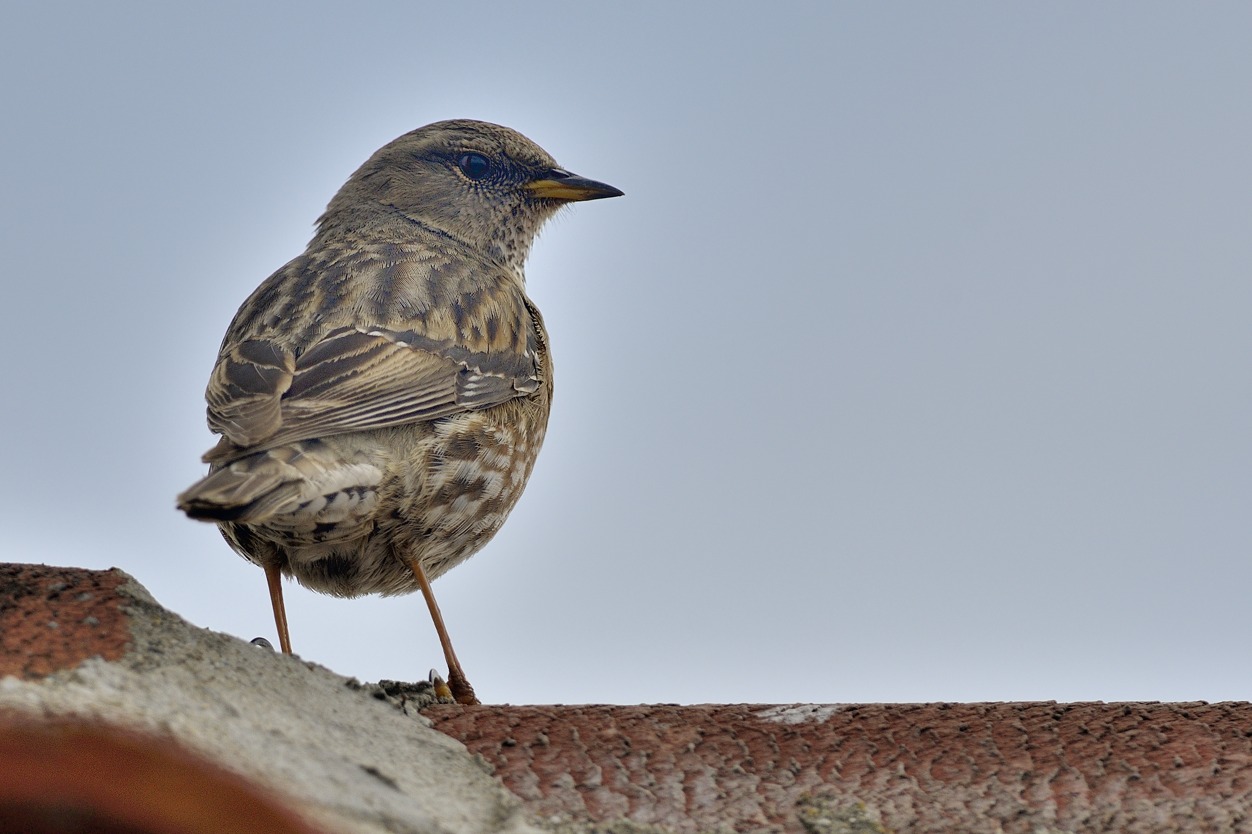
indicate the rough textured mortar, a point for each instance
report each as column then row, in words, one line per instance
column 346, row 759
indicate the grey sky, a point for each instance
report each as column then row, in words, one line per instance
column 912, row 366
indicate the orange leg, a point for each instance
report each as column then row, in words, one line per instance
column 461, row 689
column 274, row 576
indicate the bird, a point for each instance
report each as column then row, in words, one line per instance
column 382, row 398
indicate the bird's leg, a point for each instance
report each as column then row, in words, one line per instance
column 461, row 689
column 274, row 576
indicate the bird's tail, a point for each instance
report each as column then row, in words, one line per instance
column 251, row 489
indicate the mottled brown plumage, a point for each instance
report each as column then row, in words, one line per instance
column 382, row 398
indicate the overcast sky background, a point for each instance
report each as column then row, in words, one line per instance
column 913, row 366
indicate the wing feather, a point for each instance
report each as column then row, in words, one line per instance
column 367, row 339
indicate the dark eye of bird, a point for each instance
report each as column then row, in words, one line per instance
column 474, row 165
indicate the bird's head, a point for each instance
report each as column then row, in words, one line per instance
column 485, row 185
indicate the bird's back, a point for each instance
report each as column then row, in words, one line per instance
column 376, row 398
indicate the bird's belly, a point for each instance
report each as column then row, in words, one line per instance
column 447, row 488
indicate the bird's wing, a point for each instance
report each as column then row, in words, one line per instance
column 354, row 378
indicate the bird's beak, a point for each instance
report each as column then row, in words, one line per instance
column 559, row 184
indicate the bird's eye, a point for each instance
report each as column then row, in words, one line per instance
column 474, row 165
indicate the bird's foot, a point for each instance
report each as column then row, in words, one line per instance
column 459, row 688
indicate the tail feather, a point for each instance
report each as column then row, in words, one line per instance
column 248, row 490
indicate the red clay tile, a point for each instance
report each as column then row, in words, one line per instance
column 55, row 618
column 66, row 776
column 1011, row 767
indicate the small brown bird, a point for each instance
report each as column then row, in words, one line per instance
column 382, row 398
